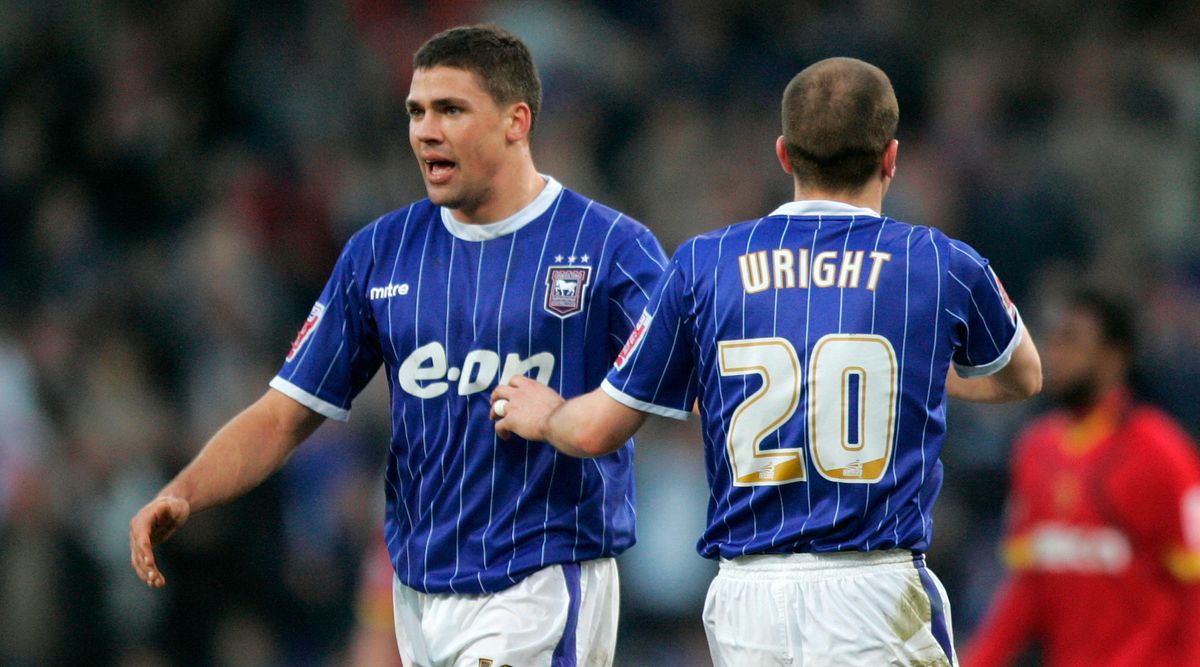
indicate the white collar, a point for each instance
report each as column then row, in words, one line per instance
column 822, row 207
column 492, row 230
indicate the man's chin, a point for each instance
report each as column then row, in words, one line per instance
column 440, row 197
column 1077, row 397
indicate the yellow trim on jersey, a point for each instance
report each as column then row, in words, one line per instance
column 1017, row 553
column 1184, row 564
column 1090, row 431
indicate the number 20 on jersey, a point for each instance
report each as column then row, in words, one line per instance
column 851, row 408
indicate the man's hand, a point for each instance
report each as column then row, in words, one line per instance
column 529, row 406
column 150, row 527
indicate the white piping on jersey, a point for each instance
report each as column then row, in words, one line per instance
column 533, row 291
column 492, row 230
column 1000, row 362
column 825, row 207
column 745, row 392
column 403, row 420
column 309, row 401
column 971, row 295
column 837, row 508
column 787, row 223
column 812, row 249
column 640, row 405
column 937, row 264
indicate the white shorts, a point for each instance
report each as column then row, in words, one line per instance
column 844, row 609
column 560, row 616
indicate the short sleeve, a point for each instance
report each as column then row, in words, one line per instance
column 637, row 265
column 655, row 370
column 989, row 326
column 336, row 351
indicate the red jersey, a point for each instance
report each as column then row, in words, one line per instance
column 1104, row 541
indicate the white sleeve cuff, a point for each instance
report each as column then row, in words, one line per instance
column 629, row 401
column 1000, row 361
column 309, row 401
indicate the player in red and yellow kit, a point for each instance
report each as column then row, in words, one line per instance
column 1104, row 526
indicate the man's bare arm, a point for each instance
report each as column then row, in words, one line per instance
column 1020, row 379
column 236, row 459
column 593, row 424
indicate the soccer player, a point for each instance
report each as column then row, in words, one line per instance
column 503, row 554
column 1104, row 523
column 817, row 341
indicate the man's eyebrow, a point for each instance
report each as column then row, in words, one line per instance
column 439, row 102
column 450, row 102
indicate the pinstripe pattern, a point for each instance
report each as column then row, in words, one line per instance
column 447, row 308
column 932, row 292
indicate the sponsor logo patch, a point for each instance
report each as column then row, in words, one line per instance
column 1008, row 304
column 310, row 324
column 635, row 338
column 566, row 287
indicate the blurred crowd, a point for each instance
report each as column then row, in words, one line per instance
column 176, row 180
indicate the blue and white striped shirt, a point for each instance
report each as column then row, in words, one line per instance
column 817, row 340
column 452, row 309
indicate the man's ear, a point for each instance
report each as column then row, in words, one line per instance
column 781, row 154
column 520, row 122
column 889, row 158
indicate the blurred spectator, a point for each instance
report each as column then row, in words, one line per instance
column 1103, row 535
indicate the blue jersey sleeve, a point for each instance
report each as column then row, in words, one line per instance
column 655, row 370
column 988, row 324
column 336, row 350
column 638, row 263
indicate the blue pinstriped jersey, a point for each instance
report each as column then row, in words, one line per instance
column 450, row 310
column 817, row 340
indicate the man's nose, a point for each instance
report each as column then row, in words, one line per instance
column 426, row 129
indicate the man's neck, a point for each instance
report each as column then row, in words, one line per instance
column 510, row 193
column 870, row 196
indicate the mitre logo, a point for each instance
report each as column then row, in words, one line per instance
column 565, row 289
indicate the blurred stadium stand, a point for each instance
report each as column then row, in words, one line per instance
column 176, row 180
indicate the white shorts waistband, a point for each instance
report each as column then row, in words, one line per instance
column 816, row 565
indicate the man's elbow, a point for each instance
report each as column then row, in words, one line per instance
column 1029, row 383
column 593, row 443
column 1033, row 386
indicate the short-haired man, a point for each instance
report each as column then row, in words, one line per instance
column 817, row 341
column 1104, row 523
column 503, row 554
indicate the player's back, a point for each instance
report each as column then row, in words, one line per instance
column 822, row 335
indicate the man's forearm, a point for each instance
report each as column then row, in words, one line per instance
column 591, row 425
column 244, row 452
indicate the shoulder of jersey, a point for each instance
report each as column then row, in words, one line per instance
column 601, row 214
column 1158, row 428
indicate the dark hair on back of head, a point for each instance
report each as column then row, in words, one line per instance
column 499, row 58
column 838, row 116
column 1114, row 314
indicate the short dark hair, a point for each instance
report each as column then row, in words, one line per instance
column 838, row 116
column 1114, row 314
column 499, row 58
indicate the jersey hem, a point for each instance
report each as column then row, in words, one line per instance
column 309, row 401
column 642, row 406
column 999, row 363
column 489, row 583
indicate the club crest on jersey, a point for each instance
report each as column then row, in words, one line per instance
column 566, row 287
column 310, row 324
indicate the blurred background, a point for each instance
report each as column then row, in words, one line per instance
column 176, row 180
